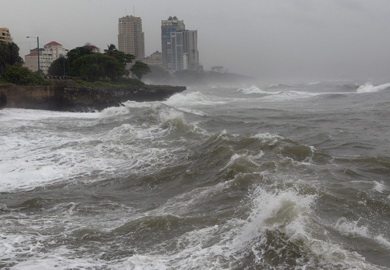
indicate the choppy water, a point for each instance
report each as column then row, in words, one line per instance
column 262, row 177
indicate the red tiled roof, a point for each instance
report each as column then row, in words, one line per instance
column 33, row 54
column 53, row 43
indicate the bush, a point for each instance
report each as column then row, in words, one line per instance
column 22, row 76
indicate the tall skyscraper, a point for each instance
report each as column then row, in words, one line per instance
column 179, row 46
column 131, row 39
column 190, row 48
column 172, row 43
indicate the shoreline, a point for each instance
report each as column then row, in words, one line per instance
column 80, row 99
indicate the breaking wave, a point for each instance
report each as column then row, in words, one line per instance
column 252, row 90
column 369, row 88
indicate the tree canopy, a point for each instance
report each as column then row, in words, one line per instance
column 73, row 55
column 22, row 76
column 92, row 66
column 122, row 57
column 99, row 66
column 9, row 55
column 59, row 67
column 139, row 69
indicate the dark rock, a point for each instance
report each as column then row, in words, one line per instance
column 59, row 98
column 3, row 100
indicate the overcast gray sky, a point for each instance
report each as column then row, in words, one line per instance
column 266, row 38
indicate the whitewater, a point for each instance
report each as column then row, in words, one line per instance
column 258, row 176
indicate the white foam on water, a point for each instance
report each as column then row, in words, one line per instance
column 170, row 114
column 314, row 83
column 379, row 187
column 252, row 90
column 275, row 210
column 268, row 138
column 352, row 229
column 370, row 88
column 127, row 108
column 190, row 99
column 289, row 95
column 382, row 241
column 25, row 115
column 289, row 212
column 247, row 159
column 58, row 262
column 140, row 262
column 278, row 85
column 218, row 246
column 35, row 153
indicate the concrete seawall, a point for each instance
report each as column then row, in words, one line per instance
column 33, row 97
column 59, row 98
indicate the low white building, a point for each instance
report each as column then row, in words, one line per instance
column 47, row 55
column 155, row 59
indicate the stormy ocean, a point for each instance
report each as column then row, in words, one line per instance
column 284, row 176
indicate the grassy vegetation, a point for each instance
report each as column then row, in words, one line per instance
column 2, row 81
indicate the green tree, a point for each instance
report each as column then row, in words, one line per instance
column 59, row 67
column 110, row 48
column 99, row 66
column 122, row 57
column 75, row 54
column 22, row 76
column 9, row 55
column 139, row 69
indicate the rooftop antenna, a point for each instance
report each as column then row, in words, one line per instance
column 133, row 10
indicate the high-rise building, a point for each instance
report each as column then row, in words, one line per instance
column 131, row 39
column 179, row 46
column 5, row 35
column 47, row 55
column 172, row 43
column 191, row 53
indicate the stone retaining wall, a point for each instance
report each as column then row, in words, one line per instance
column 33, row 97
column 60, row 98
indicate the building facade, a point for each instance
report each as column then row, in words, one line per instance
column 179, row 46
column 5, row 35
column 47, row 55
column 155, row 59
column 131, row 39
column 190, row 48
column 171, row 43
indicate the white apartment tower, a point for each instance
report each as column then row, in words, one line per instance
column 47, row 55
column 131, row 39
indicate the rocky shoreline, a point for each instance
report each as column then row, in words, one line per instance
column 80, row 99
column 3, row 100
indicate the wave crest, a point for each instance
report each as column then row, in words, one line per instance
column 370, row 88
column 251, row 90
